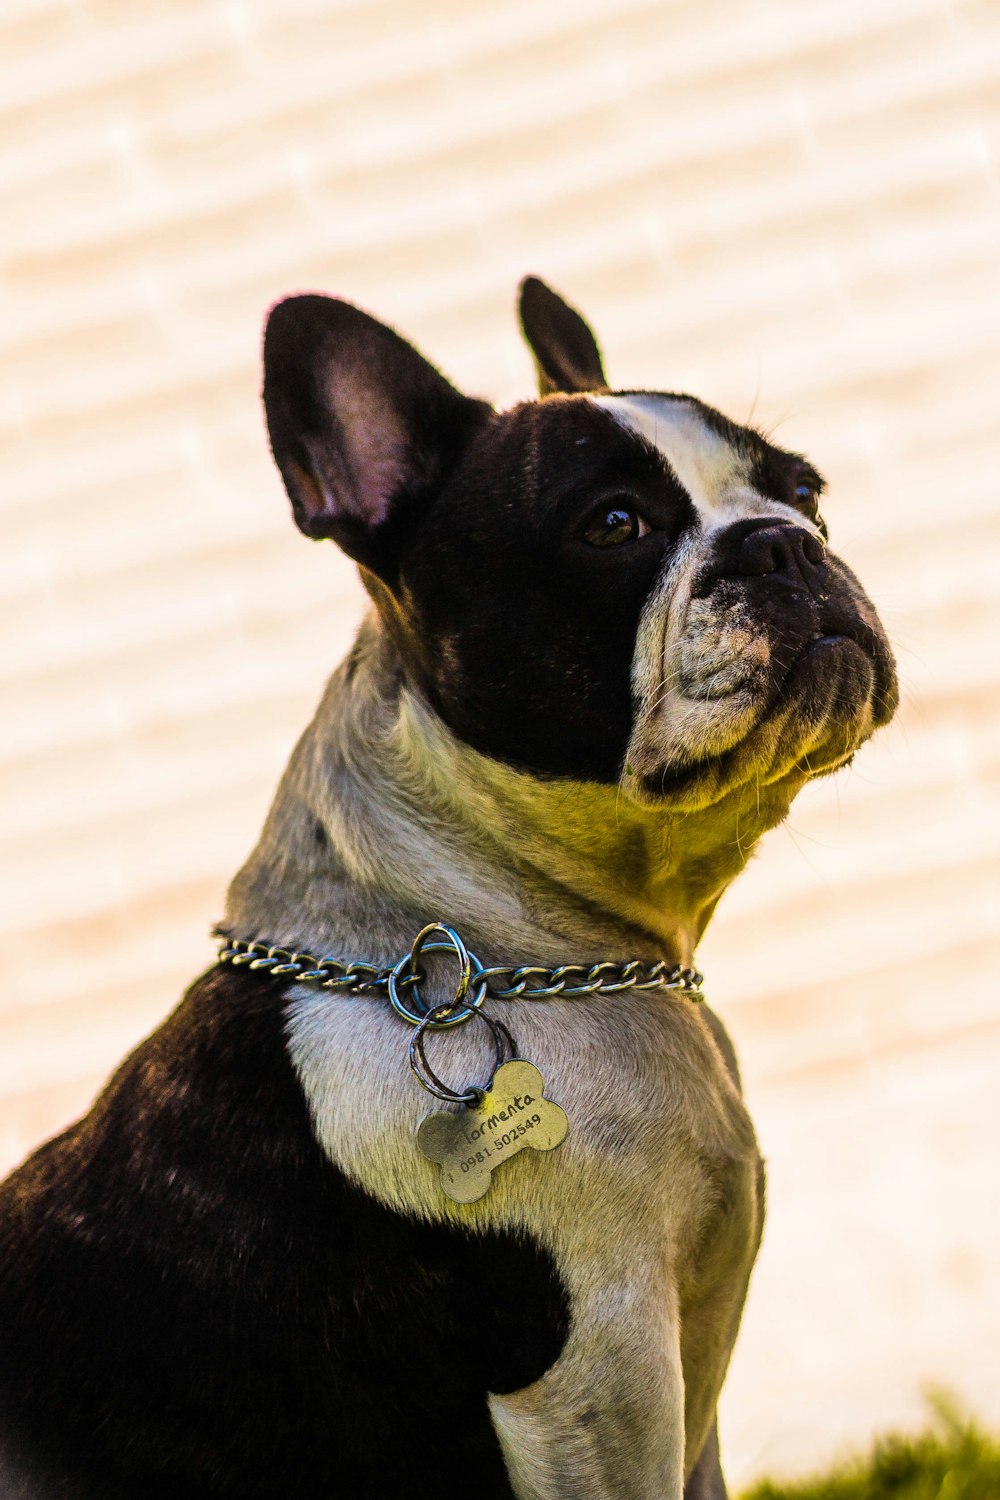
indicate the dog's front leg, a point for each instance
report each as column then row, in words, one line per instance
column 606, row 1421
column 705, row 1482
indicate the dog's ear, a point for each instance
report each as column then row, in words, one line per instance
column 361, row 425
column 565, row 350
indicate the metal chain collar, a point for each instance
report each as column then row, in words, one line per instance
column 400, row 983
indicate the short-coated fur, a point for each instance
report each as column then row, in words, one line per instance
column 607, row 646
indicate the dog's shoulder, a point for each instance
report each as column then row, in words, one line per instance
column 182, row 1084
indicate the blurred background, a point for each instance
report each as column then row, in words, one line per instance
column 788, row 208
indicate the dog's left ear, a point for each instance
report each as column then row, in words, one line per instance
column 566, row 354
column 362, row 427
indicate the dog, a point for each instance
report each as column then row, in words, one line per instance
column 608, row 644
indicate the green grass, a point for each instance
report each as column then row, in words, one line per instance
column 953, row 1460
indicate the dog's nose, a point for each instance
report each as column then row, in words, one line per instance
column 780, row 548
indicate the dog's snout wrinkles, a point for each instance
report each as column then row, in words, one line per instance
column 778, row 549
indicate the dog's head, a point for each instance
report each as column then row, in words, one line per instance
column 607, row 587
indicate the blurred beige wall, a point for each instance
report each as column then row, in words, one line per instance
column 786, row 208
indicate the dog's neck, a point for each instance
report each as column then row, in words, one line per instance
column 384, row 821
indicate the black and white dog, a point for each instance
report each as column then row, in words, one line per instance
column 608, row 646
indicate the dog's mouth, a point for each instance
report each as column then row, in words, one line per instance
column 830, row 638
column 819, row 705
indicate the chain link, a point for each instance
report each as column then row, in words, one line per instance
column 526, row 982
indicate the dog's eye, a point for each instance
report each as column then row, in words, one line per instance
column 613, row 526
column 807, row 499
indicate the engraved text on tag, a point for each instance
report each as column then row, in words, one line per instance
column 511, row 1114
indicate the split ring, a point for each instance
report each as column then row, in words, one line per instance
column 452, row 1012
column 428, row 1079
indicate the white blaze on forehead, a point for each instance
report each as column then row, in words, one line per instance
column 712, row 471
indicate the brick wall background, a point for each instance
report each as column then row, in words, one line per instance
column 787, row 206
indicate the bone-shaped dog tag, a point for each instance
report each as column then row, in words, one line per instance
column 511, row 1114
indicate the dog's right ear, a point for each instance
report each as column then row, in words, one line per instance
column 566, row 354
column 361, row 425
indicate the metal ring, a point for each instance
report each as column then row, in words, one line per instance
column 428, row 1079
column 453, row 1012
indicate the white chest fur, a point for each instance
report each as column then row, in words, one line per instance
column 640, row 1078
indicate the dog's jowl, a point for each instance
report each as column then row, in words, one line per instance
column 608, row 643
